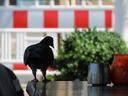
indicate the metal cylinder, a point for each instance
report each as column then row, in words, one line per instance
column 98, row 74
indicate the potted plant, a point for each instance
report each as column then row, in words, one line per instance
column 119, row 69
column 83, row 47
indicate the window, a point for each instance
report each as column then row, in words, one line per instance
column 44, row 2
column 108, row 2
column 12, row 2
column 79, row 2
column 57, row 2
column 92, row 2
column 60, row 2
column 26, row 2
column 1, row 2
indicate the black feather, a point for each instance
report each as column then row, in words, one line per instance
column 40, row 55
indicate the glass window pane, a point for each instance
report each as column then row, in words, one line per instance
column 71, row 2
column 1, row 2
column 78, row 2
column 44, row 2
column 92, row 2
column 61, row 2
column 12, row 2
column 57, row 2
column 108, row 2
column 26, row 2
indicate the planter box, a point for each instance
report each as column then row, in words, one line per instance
column 119, row 69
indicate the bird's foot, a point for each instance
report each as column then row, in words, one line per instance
column 46, row 80
column 35, row 80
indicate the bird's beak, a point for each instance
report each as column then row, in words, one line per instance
column 52, row 45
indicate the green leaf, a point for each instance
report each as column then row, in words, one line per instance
column 82, row 47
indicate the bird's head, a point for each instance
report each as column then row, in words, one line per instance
column 48, row 40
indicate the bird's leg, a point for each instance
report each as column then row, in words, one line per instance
column 44, row 74
column 34, row 74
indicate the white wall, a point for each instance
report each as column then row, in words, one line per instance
column 121, row 18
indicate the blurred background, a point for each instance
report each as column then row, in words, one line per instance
column 26, row 22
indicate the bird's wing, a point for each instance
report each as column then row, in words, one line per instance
column 27, row 54
column 47, row 54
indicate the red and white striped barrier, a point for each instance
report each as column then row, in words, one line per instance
column 17, row 66
column 21, row 69
column 81, row 18
column 52, row 18
column 21, row 66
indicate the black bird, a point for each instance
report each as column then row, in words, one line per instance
column 39, row 56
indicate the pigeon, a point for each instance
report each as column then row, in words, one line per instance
column 40, row 56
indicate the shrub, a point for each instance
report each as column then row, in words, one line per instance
column 84, row 47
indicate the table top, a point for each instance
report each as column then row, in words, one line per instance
column 75, row 88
